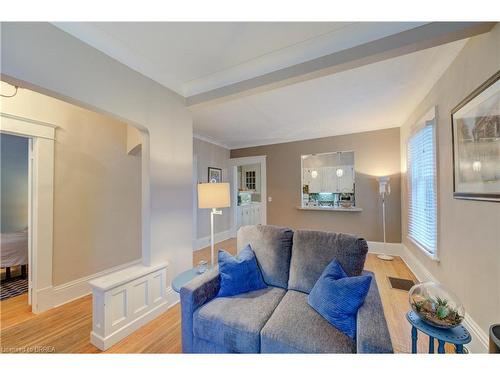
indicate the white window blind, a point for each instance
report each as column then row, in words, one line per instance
column 421, row 172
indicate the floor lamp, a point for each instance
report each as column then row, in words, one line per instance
column 384, row 191
column 213, row 195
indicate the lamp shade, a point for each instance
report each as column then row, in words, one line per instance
column 384, row 186
column 213, row 195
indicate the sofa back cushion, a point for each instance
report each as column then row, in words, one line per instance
column 272, row 246
column 313, row 250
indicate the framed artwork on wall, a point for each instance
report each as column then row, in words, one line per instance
column 476, row 143
column 214, row 174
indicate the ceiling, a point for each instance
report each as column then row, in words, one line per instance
column 376, row 96
column 196, row 59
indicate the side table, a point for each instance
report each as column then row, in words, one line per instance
column 459, row 336
column 185, row 277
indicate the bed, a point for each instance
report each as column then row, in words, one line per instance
column 14, row 250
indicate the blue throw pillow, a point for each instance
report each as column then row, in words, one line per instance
column 239, row 274
column 337, row 297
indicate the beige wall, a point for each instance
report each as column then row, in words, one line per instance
column 210, row 155
column 468, row 231
column 376, row 153
column 97, row 187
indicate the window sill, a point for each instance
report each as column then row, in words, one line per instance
column 429, row 255
column 320, row 208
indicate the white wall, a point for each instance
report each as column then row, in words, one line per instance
column 46, row 59
column 211, row 155
column 468, row 231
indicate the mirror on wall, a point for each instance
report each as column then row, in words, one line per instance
column 328, row 180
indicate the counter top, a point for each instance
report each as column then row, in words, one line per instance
column 249, row 204
column 124, row 275
column 319, row 208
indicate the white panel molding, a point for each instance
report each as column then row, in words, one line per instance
column 126, row 300
column 479, row 343
column 23, row 126
column 54, row 296
column 200, row 243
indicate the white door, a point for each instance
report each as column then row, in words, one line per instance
column 330, row 182
column 257, row 214
column 317, row 182
column 346, row 183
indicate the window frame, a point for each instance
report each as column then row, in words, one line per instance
column 431, row 115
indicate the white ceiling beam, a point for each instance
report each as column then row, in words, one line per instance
column 426, row 36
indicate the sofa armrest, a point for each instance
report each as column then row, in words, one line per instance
column 372, row 334
column 196, row 293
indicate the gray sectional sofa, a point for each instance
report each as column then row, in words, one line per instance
column 278, row 319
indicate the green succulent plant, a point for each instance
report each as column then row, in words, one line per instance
column 442, row 312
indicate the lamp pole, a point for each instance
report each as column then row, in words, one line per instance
column 212, row 240
column 384, row 190
column 383, row 213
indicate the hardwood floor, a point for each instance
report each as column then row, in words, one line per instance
column 66, row 329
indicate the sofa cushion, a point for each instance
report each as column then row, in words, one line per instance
column 295, row 327
column 337, row 297
column 313, row 250
column 239, row 274
column 272, row 246
column 235, row 322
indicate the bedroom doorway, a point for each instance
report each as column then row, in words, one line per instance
column 29, row 235
column 15, row 227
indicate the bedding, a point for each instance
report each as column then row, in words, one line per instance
column 14, row 248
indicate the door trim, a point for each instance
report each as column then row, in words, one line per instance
column 41, row 201
column 235, row 163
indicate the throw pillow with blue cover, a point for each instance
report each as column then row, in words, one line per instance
column 337, row 297
column 240, row 273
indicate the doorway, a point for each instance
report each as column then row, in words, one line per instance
column 14, row 222
column 249, row 191
column 27, row 232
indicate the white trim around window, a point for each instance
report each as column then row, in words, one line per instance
column 422, row 190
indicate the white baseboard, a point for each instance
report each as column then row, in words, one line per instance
column 54, row 296
column 200, row 243
column 104, row 343
column 479, row 343
column 384, row 248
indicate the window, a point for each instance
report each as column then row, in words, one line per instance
column 422, row 200
column 250, row 180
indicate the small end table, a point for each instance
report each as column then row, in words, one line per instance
column 459, row 336
column 185, row 277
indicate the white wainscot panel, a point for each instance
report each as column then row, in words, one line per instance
column 125, row 300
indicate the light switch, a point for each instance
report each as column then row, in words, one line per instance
column 269, row 199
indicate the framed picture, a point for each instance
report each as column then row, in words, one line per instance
column 476, row 143
column 214, row 174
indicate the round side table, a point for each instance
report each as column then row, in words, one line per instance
column 459, row 336
column 183, row 278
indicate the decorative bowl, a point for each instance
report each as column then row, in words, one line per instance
column 346, row 204
column 436, row 305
